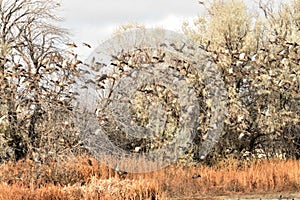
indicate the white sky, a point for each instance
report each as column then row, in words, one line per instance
column 93, row 21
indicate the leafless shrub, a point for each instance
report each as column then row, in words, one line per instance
column 36, row 74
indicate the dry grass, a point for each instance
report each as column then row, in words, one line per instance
column 85, row 178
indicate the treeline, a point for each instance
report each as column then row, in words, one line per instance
column 258, row 55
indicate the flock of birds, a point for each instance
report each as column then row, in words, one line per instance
column 124, row 62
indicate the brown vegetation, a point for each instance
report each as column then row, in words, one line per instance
column 36, row 76
column 85, row 178
column 259, row 61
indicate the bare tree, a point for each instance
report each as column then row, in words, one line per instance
column 35, row 71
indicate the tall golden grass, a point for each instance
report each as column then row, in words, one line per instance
column 85, row 178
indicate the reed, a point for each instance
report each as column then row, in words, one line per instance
column 83, row 177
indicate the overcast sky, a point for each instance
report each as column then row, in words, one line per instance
column 94, row 21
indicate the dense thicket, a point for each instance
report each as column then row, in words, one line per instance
column 258, row 55
column 35, row 79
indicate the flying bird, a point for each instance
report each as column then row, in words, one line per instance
column 196, row 176
column 177, row 49
column 72, row 44
column 90, row 162
column 99, row 87
column 113, row 64
column 87, row 45
column 101, row 77
column 173, row 45
column 117, row 168
column 123, row 172
column 181, row 48
column 100, row 64
column 89, row 81
column 120, row 172
column 191, row 47
column 84, row 87
column 72, row 53
column 163, row 45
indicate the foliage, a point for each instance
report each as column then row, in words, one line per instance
column 259, row 58
column 257, row 54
